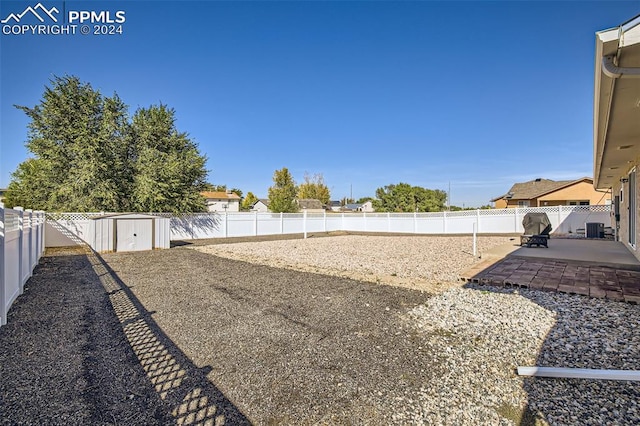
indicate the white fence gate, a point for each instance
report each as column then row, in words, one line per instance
column 21, row 245
column 564, row 219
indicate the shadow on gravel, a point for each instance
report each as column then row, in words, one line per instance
column 72, row 354
column 63, row 356
column 192, row 399
column 588, row 333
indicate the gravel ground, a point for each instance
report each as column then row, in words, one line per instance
column 203, row 338
column 63, row 357
column 419, row 262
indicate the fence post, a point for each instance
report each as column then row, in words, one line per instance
column 255, row 223
column 415, row 222
column 388, row 222
column 475, row 251
column 3, row 303
column 444, row 222
column 364, row 219
column 342, row 222
column 324, row 218
column 31, row 263
column 304, row 223
column 281, row 223
column 515, row 220
column 560, row 218
column 20, row 243
column 226, row 224
column 478, row 222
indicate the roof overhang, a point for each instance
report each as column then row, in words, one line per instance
column 616, row 106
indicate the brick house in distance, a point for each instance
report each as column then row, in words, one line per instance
column 546, row 193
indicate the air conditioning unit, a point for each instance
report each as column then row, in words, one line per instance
column 594, row 230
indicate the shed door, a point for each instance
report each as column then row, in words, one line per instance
column 134, row 234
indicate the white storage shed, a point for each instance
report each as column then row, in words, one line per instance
column 128, row 232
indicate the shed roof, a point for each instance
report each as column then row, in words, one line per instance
column 125, row 216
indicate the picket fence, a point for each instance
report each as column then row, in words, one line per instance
column 21, row 245
column 565, row 220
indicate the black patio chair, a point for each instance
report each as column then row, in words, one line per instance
column 537, row 227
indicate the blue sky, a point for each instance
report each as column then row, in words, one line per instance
column 477, row 95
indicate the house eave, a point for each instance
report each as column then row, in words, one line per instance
column 616, row 136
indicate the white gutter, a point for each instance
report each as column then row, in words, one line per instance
column 610, row 70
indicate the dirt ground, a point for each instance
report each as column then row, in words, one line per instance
column 178, row 336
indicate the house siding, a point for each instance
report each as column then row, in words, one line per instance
column 218, row 205
column 625, row 211
column 581, row 191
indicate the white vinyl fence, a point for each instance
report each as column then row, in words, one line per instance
column 564, row 219
column 21, row 245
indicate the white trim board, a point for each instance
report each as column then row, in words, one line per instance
column 580, row 373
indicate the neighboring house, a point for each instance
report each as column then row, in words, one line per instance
column 367, row 207
column 261, row 206
column 2, row 192
column 334, row 206
column 351, row 207
column 310, row 205
column 220, row 201
column 616, row 132
column 546, row 192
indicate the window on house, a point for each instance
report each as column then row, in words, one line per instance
column 523, row 203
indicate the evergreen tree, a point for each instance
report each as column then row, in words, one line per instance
column 169, row 172
column 79, row 152
column 88, row 156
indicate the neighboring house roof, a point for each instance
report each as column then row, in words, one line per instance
column 220, row 195
column 309, row 203
column 264, row 201
column 537, row 188
column 334, row 203
column 353, row 206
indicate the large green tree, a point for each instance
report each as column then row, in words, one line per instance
column 86, row 155
column 169, row 172
column 314, row 187
column 282, row 194
column 79, row 156
column 403, row 197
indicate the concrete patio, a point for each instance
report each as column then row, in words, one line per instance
column 595, row 268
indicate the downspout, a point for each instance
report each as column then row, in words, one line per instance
column 612, row 71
